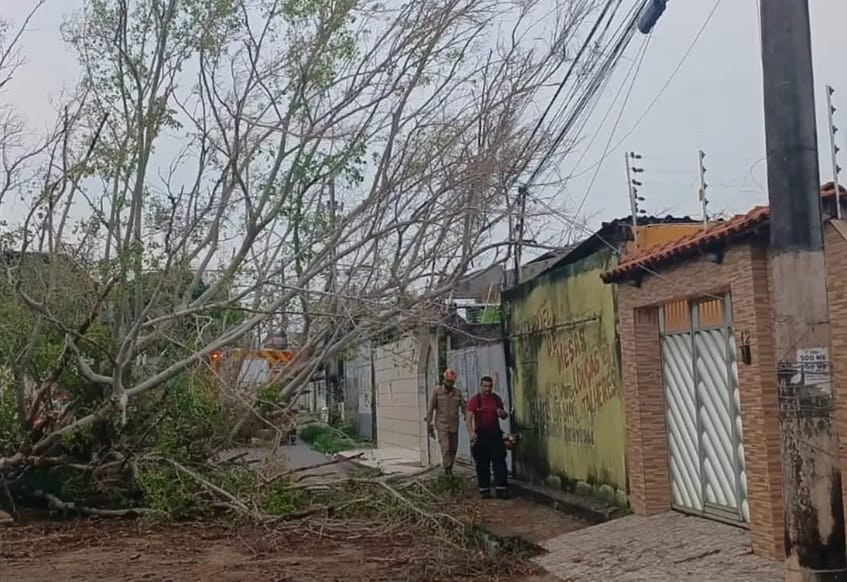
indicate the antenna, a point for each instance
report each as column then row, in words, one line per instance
column 701, row 193
column 633, row 185
column 834, row 149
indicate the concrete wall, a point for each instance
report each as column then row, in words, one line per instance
column 654, row 235
column 566, row 388
column 400, row 370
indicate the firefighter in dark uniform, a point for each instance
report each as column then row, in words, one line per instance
column 488, row 448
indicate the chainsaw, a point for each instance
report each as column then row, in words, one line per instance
column 510, row 440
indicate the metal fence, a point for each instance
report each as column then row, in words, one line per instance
column 358, row 379
column 470, row 365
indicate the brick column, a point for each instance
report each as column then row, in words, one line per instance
column 836, row 275
column 752, row 313
column 649, row 475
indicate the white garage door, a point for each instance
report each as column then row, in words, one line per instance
column 706, row 452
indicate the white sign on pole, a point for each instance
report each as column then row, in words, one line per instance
column 815, row 367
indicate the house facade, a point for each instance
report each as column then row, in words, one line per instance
column 700, row 373
column 564, row 365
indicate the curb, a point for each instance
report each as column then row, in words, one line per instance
column 588, row 509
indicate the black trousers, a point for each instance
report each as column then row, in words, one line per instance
column 488, row 451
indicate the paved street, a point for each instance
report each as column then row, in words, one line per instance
column 670, row 547
column 288, row 458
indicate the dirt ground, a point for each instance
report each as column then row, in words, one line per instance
column 318, row 550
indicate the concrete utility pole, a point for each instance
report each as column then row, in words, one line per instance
column 523, row 192
column 814, row 512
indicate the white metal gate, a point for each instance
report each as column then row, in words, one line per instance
column 471, row 364
column 703, row 412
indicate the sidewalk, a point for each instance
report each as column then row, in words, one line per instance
column 389, row 461
column 286, row 458
column 670, row 547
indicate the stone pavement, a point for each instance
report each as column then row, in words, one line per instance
column 670, row 547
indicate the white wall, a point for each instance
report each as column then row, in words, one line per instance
column 401, row 395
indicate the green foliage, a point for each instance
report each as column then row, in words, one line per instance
column 172, row 495
column 80, row 443
column 329, row 440
column 166, row 291
column 282, row 499
column 154, row 37
column 193, row 420
column 321, row 40
column 167, row 492
column 270, row 395
column 447, row 484
column 11, row 435
column 32, row 347
column 309, row 433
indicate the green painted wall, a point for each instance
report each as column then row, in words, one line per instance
column 566, row 387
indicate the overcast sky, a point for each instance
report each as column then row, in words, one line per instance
column 714, row 103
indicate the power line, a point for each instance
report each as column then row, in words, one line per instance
column 597, row 54
column 592, row 89
column 661, row 91
column 568, row 75
column 609, row 110
column 588, row 90
column 613, row 58
column 586, row 230
column 637, row 67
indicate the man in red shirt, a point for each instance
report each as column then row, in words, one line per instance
column 484, row 412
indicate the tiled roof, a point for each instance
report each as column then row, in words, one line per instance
column 696, row 243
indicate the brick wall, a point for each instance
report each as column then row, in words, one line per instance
column 744, row 274
column 836, row 270
column 647, row 444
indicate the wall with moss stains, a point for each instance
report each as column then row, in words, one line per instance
column 566, row 379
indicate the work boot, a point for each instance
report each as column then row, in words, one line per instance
column 502, row 493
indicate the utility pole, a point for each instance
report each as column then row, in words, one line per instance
column 523, row 192
column 332, row 378
column 632, row 186
column 814, row 512
column 701, row 193
column 333, row 219
column 834, row 149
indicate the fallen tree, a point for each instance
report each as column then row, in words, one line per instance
column 226, row 170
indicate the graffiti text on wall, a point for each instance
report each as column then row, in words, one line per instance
column 555, row 419
column 584, row 381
